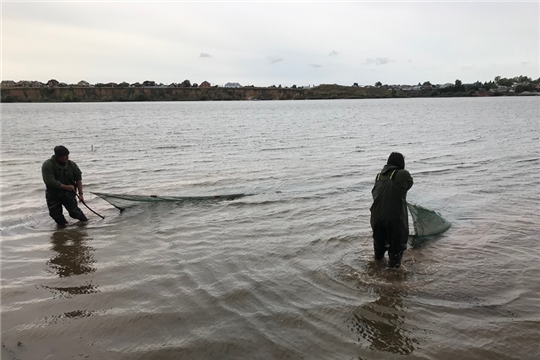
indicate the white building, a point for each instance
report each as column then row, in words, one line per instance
column 444, row 86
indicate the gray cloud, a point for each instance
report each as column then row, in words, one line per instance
column 377, row 61
column 275, row 59
column 39, row 40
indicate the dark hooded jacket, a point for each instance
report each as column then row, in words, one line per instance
column 54, row 174
column 390, row 197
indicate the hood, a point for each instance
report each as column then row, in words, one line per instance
column 57, row 164
column 387, row 169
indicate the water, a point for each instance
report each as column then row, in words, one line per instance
column 286, row 273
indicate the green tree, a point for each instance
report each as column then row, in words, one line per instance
column 505, row 82
column 8, row 98
column 497, row 79
column 67, row 98
column 186, row 83
column 378, row 83
column 488, row 85
column 522, row 78
column 458, row 83
column 522, row 88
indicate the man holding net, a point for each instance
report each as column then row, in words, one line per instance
column 62, row 177
column 389, row 216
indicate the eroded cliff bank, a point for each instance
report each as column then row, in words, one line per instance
column 90, row 94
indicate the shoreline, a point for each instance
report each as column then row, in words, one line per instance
column 137, row 94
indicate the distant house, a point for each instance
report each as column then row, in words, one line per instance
column 25, row 84
column 111, row 84
column 149, row 83
column 7, row 83
column 205, row 84
column 232, row 85
column 83, row 83
column 52, row 83
column 447, row 85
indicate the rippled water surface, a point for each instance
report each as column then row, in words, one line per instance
column 287, row 272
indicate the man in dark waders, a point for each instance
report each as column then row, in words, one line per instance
column 62, row 177
column 389, row 216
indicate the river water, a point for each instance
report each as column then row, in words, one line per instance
column 287, row 272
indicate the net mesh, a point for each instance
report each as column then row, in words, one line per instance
column 426, row 222
column 123, row 201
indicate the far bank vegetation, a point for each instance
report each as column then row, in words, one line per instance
column 55, row 91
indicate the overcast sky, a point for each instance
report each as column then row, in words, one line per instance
column 270, row 43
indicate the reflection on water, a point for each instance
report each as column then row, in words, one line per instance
column 59, row 319
column 68, row 291
column 283, row 273
column 71, row 256
column 381, row 324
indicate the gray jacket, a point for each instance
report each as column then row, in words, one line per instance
column 54, row 174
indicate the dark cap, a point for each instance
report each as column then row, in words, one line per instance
column 61, row 151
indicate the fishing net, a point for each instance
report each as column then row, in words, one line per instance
column 426, row 222
column 123, row 201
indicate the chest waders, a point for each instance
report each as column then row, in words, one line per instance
column 389, row 220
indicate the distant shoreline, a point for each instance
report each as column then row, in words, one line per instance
column 322, row 92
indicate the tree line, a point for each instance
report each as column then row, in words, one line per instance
column 518, row 83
